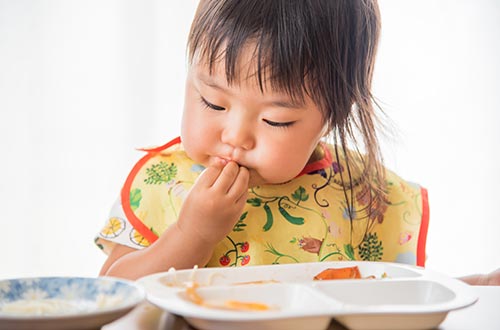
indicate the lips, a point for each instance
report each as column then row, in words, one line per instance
column 218, row 161
column 225, row 160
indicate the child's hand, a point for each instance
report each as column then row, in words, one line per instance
column 214, row 203
column 493, row 278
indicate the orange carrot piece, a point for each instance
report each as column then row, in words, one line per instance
column 338, row 273
column 246, row 306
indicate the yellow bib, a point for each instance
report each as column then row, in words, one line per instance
column 304, row 220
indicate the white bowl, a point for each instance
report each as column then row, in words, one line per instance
column 65, row 302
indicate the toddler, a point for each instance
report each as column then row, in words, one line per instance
column 253, row 180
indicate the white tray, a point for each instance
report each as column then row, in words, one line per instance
column 408, row 298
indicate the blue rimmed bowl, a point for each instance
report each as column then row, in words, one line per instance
column 65, row 302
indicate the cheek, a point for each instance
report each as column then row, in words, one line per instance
column 280, row 163
column 194, row 136
column 285, row 159
column 187, row 132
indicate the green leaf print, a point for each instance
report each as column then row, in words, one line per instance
column 254, row 201
column 240, row 225
column 269, row 218
column 300, row 194
column 290, row 218
column 349, row 251
column 135, row 198
column 371, row 248
column 160, row 173
column 272, row 250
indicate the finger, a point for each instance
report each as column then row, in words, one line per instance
column 226, row 177
column 240, row 202
column 208, row 176
column 240, row 184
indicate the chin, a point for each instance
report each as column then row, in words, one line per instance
column 254, row 183
column 257, row 180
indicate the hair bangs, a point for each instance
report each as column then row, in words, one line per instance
column 222, row 33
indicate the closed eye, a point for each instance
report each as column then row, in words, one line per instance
column 278, row 124
column 211, row 105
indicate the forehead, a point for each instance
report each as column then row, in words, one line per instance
column 235, row 68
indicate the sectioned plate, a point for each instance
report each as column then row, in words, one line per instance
column 400, row 296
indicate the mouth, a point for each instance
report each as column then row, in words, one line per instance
column 222, row 160
column 226, row 159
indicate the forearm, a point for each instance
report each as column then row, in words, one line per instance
column 172, row 249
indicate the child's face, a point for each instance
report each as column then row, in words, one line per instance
column 265, row 132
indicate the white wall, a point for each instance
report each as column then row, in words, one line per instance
column 438, row 76
column 84, row 82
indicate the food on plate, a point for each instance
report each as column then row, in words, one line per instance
column 338, row 273
column 193, row 295
column 171, row 280
column 235, row 305
column 191, row 292
column 56, row 306
column 344, row 273
column 191, row 287
column 246, row 306
column 43, row 307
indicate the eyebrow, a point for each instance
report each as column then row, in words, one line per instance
column 289, row 104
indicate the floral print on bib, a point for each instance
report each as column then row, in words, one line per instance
column 304, row 220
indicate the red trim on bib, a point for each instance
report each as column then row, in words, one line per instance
column 125, row 193
column 320, row 164
column 167, row 145
column 424, row 225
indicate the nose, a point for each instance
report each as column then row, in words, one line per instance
column 238, row 132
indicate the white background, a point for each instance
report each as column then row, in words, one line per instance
column 83, row 83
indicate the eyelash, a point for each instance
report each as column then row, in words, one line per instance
column 269, row 122
column 210, row 105
column 277, row 124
